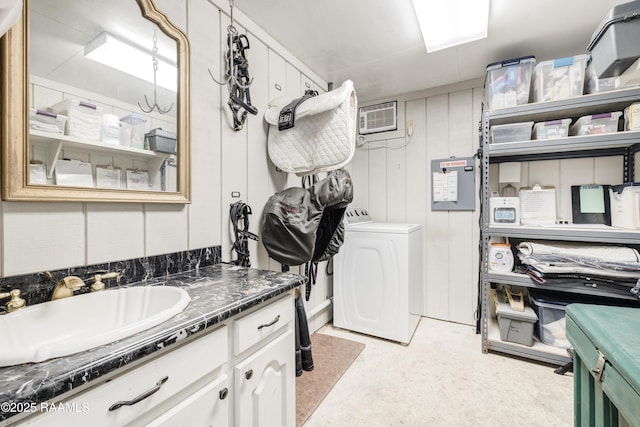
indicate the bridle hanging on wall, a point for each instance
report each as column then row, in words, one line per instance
column 237, row 75
column 239, row 216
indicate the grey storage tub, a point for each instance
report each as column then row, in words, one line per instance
column 614, row 45
column 162, row 141
column 516, row 326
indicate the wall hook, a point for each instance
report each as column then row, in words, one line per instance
column 235, row 59
column 237, row 76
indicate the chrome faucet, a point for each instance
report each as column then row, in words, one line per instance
column 15, row 302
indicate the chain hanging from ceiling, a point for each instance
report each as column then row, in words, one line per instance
column 154, row 61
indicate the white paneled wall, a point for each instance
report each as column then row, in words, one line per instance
column 562, row 174
column 390, row 173
column 114, row 232
column 205, row 215
column 392, row 180
column 43, row 236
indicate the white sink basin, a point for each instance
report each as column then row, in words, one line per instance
column 70, row 325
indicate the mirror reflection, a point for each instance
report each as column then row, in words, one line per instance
column 76, row 130
column 103, row 98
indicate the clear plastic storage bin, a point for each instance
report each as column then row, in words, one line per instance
column 508, row 83
column 632, row 117
column 511, row 132
column 559, row 79
column 46, row 121
column 593, row 84
column 137, row 130
column 551, row 308
column 84, row 120
column 596, row 124
column 551, row 129
column 551, row 327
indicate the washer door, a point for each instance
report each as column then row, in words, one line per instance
column 370, row 287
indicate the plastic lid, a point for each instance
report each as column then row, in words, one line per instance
column 501, row 244
column 507, row 63
column 504, row 309
column 514, row 61
column 620, row 187
column 613, row 331
column 553, row 122
column 133, row 119
column 620, row 13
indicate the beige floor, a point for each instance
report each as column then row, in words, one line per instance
column 443, row 379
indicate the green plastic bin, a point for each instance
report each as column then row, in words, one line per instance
column 606, row 364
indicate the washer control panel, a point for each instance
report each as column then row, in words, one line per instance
column 356, row 216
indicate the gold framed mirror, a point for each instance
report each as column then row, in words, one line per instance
column 69, row 136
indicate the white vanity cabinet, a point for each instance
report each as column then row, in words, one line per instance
column 264, row 373
column 240, row 374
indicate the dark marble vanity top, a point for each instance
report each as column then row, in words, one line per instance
column 217, row 293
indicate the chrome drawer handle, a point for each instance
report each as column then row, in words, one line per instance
column 273, row 322
column 140, row 398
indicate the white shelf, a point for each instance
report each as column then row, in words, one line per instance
column 83, row 144
column 577, row 287
column 39, row 137
column 571, row 232
column 566, row 144
column 578, row 106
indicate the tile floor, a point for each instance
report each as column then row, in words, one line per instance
column 442, row 378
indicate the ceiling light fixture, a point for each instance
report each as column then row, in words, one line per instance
column 448, row 23
column 117, row 54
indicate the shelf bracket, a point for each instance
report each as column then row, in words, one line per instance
column 52, row 166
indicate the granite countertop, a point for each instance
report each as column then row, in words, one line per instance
column 217, row 293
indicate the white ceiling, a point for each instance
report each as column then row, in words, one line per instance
column 378, row 44
column 60, row 30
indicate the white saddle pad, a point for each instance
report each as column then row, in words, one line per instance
column 324, row 136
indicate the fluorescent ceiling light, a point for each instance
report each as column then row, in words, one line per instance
column 114, row 53
column 447, row 23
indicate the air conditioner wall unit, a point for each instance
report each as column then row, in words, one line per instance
column 378, row 118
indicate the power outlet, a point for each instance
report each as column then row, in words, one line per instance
column 411, row 124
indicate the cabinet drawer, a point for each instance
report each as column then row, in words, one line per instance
column 208, row 406
column 181, row 367
column 260, row 324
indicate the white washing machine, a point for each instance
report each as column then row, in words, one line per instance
column 377, row 283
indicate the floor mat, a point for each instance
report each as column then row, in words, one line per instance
column 332, row 356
